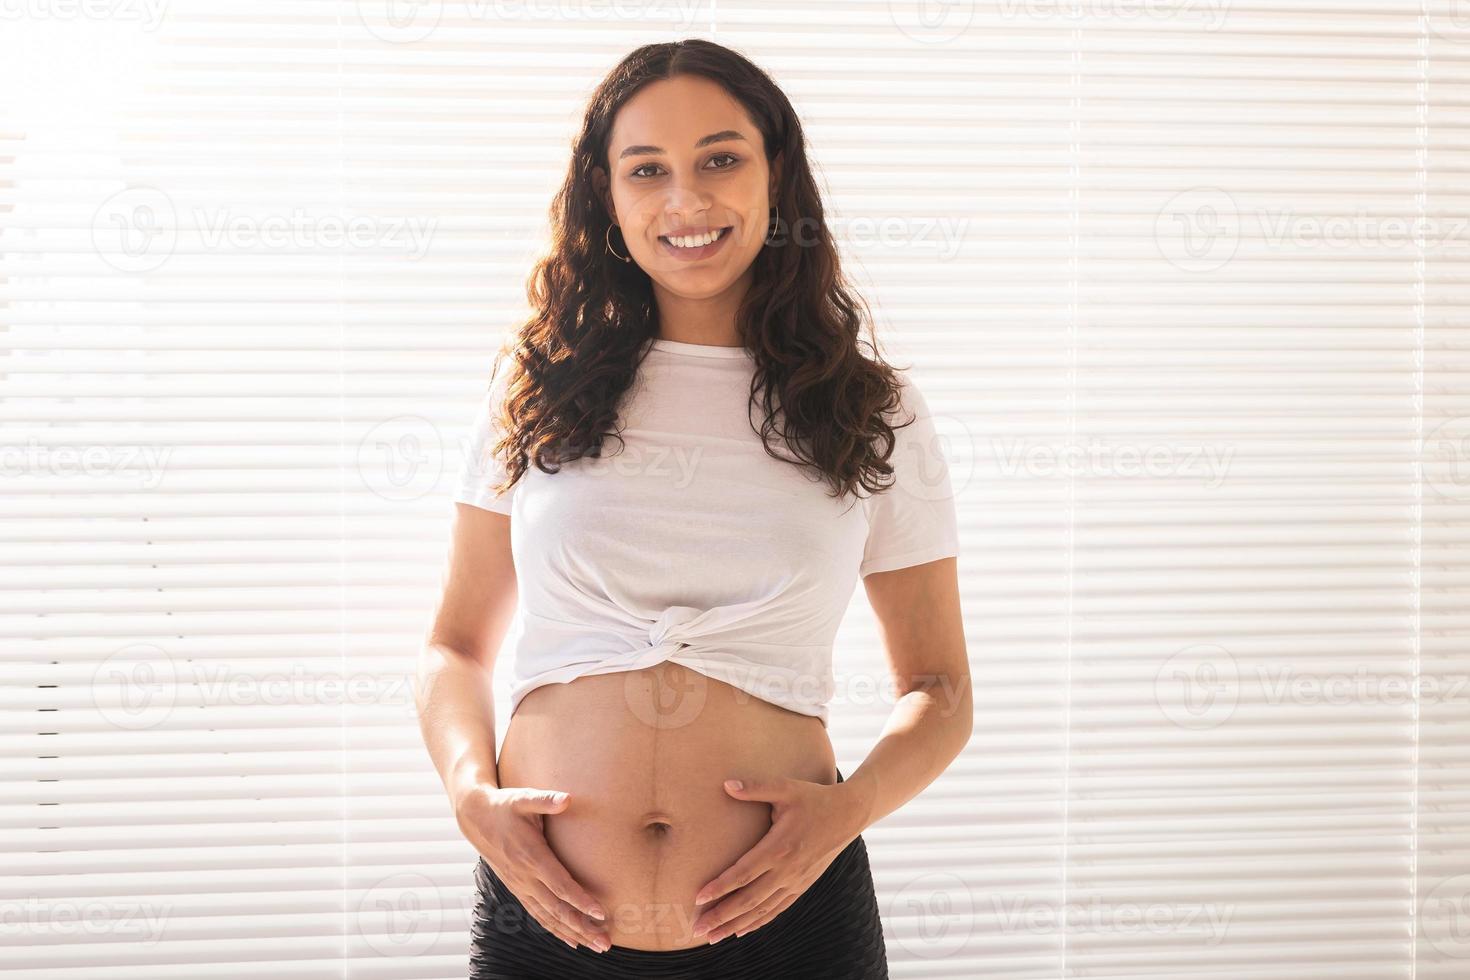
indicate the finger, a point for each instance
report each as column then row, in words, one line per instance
column 751, row 865
column 555, row 876
column 527, row 800
column 760, row 894
column 567, row 920
column 549, row 922
column 569, row 916
column 763, row 790
column 538, row 913
column 752, row 921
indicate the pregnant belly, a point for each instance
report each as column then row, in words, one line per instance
column 644, row 755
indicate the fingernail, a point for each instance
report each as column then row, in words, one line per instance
column 735, row 784
column 598, row 913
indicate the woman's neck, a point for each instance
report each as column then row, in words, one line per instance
column 707, row 320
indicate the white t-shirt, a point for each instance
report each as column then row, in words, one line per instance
column 687, row 541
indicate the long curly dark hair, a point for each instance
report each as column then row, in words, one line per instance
column 824, row 388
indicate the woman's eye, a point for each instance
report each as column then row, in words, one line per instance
column 638, row 170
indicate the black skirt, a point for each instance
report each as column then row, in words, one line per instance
column 831, row 930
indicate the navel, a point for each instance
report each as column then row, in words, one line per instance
column 657, row 823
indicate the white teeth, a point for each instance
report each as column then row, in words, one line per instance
column 694, row 241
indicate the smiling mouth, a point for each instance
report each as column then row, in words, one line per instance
column 698, row 241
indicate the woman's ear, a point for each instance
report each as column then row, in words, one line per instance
column 602, row 189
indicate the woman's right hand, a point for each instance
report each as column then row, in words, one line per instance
column 505, row 824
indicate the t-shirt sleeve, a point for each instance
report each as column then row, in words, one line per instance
column 480, row 469
column 913, row 520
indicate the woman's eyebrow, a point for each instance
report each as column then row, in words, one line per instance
column 720, row 137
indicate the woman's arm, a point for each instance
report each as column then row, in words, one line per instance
column 456, row 709
column 918, row 610
column 452, row 686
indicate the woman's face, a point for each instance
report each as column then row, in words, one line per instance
column 687, row 161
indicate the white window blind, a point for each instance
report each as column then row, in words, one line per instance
column 1186, row 282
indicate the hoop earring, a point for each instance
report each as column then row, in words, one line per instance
column 775, row 226
column 607, row 237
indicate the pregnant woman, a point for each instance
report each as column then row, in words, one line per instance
column 682, row 465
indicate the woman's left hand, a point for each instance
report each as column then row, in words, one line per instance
column 811, row 823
